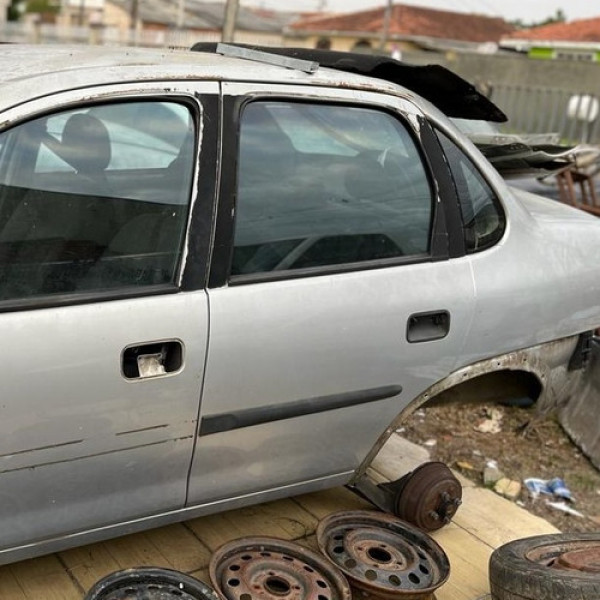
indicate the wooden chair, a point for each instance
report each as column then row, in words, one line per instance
column 580, row 175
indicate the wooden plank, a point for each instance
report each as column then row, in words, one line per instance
column 181, row 546
column 136, row 550
column 284, row 519
column 398, row 457
column 9, row 586
column 89, row 564
column 468, row 564
column 45, row 578
column 321, row 504
column 173, row 547
column 202, row 575
column 495, row 521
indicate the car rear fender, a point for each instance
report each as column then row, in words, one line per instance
column 552, row 374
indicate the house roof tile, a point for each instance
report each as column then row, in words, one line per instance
column 582, row 30
column 408, row 20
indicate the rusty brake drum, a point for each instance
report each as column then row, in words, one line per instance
column 429, row 496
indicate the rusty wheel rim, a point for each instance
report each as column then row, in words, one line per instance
column 382, row 555
column 272, row 569
column 576, row 555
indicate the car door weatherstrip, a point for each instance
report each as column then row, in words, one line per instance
column 266, row 414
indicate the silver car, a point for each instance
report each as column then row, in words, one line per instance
column 225, row 280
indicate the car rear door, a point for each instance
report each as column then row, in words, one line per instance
column 103, row 315
column 341, row 299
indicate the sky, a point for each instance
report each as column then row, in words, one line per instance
column 527, row 10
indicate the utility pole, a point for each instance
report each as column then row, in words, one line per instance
column 180, row 13
column 134, row 14
column 385, row 32
column 231, row 10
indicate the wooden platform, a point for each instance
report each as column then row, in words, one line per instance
column 483, row 522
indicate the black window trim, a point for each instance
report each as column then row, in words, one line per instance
column 497, row 198
column 233, row 107
column 189, row 275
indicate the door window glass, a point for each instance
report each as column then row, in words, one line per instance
column 325, row 185
column 482, row 215
column 94, row 198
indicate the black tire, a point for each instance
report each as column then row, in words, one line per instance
column 522, row 570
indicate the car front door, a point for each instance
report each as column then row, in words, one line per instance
column 103, row 317
column 337, row 304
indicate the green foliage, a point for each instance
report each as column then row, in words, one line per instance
column 17, row 8
column 559, row 17
column 42, row 6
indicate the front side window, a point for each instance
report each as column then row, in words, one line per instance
column 94, row 198
column 482, row 215
column 326, row 185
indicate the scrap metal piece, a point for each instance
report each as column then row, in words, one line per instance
column 383, row 556
column 429, row 496
column 307, row 66
column 272, row 569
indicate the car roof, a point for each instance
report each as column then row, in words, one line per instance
column 30, row 71
column 451, row 94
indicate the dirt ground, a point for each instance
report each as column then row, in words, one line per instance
column 542, row 450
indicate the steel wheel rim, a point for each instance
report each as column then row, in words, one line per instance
column 575, row 555
column 274, row 570
column 150, row 583
column 382, row 555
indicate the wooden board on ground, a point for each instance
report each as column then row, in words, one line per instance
column 483, row 522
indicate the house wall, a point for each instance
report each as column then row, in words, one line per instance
column 115, row 16
column 344, row 43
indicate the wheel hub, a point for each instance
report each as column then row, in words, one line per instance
column 587, row 560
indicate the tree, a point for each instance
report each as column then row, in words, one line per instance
column 559, row 17
column 15, row 9
column 18, row 7
column 42, row 6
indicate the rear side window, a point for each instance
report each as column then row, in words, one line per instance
column 482, row 215
column 326, row 185
column 94, row 199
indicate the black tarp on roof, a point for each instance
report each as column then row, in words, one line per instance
column 454, row 96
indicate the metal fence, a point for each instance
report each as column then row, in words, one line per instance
column 42, row 33
column 575, row 116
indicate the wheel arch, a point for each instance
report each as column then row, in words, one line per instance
column 540, row 372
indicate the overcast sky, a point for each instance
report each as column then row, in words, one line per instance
column 526, row 10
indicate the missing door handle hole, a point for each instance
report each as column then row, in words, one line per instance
column 153, row 359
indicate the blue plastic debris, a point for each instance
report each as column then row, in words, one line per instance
column 552, row 487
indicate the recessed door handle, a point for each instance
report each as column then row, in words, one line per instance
column 428, row 326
